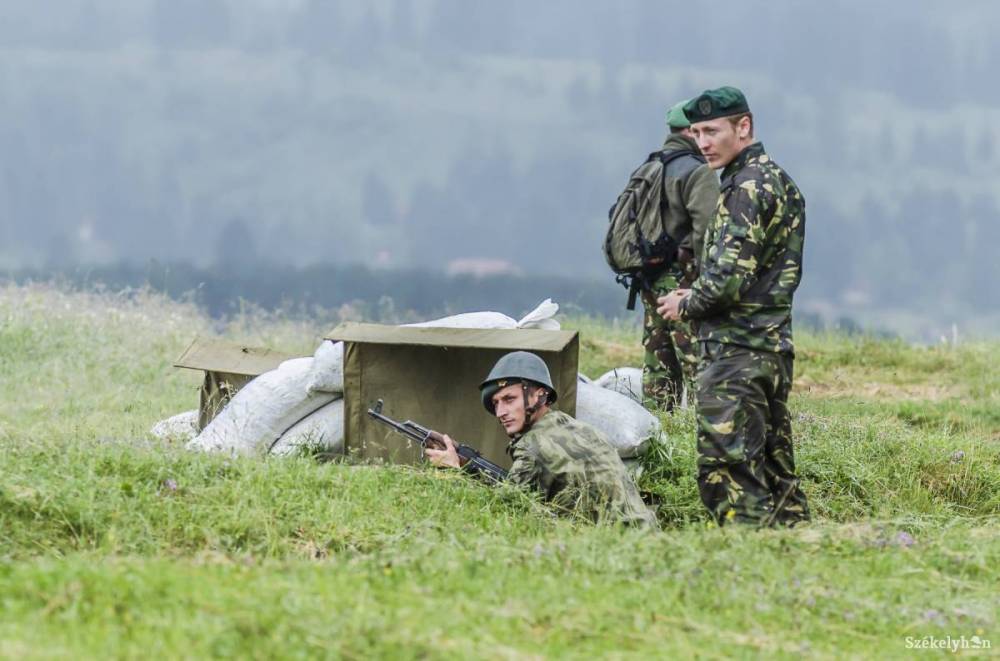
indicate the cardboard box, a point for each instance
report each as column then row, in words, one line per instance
column 228, row 366
column 432, row 376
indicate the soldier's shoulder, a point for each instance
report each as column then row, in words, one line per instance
column 556, row 418
column 559, row 425
column 777, row 182
column 763, row 180
column 752, row 180
column 683, row 166
column 585, row 428
column 566, row 421
column 757, row 170
column 584, row 432
column 769, row 169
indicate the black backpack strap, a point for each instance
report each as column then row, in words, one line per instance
column 642, row 280
column 671, row 155
column 666, row 157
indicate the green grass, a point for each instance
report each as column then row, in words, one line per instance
column 112, row 544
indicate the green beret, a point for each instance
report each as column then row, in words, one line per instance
column 675, row 116
column 712, row 104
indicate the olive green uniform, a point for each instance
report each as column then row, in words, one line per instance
column 575, row 469
column 671, row 356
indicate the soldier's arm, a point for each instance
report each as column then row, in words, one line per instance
column 524, row 471
column 731, row 263
column 701, row 195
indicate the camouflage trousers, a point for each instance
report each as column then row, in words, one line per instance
column 746, row 467
column 671, row 358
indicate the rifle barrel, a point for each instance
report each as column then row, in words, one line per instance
column 401, row 428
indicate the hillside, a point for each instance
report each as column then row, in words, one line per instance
column 407, row 134
column 114, row 544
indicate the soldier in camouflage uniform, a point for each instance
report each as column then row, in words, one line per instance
column 742, row 301
column 692, row 190
column 567, row 461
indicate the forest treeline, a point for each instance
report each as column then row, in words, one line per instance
column 414, row 134
column 359, row 293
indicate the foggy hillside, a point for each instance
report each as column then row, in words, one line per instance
column 494, row 135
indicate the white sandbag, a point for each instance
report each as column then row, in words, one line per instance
column 327, row 373
column 328, row 369
column 177, row 428
column 322, row 431
column 486, row 320
column 627, row 425
column 624, row 380
column 262, row 411
column 541, row 317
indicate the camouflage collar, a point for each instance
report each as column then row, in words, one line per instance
column 542, row 422
column 749, row 152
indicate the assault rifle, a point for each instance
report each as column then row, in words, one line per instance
column 469, row 458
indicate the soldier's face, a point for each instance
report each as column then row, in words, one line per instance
column 720, row 141
column 508, row 403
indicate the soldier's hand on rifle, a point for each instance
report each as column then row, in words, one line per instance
column 446, row 457
column 669, row 307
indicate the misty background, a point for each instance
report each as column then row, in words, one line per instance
column 421, row 149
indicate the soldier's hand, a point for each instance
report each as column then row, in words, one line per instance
column 669, row 305
column 447, row 457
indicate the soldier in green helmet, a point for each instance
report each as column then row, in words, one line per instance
column 742, row 303
column 692, row 190
column 567, row 461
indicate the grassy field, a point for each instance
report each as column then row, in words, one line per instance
column 112, row 544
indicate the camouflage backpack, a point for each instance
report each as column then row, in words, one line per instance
column 637, row 244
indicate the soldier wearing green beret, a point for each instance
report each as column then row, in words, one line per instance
column 742, row 303
column 568, row 462
column 692, row 190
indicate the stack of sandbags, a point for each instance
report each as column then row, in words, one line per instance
column 181, row 427
column 257, row 417
column 624, row 422
column 542, row 317
column 300, row 404
column 628, row 382
column 321, row 430
column 624, row 381
column 328, row 368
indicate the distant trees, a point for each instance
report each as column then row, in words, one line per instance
column 413, row 292
column 408, row 134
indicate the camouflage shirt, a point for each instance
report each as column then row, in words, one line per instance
column 752, row 259
column 574, row 468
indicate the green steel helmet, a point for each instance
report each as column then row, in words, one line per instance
column 676, row 119
column 516, row 367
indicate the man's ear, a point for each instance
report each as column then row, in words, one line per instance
column 542, row 395
column 744, row 127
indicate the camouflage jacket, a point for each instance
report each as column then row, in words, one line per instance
column 692, row 191
column 574, row 468
column 752, row 260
